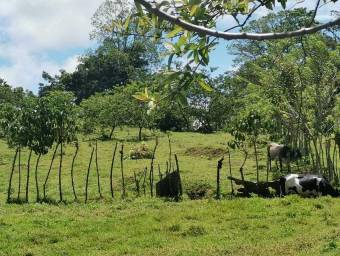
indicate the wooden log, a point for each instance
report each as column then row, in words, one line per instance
column 260, row 188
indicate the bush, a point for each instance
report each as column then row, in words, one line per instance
column 141, row 151
column 198, row 190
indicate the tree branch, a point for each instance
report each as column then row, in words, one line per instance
column 231, row 36
column 314, row 13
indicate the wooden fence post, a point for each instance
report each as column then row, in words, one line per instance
column 122, row 170
column 218, row 187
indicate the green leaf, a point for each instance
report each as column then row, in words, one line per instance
column 127, row 23
column 182, row 40
column 170, row 60
column 170, row 46
column 195, row 2
column 146, row 92
column 174, row 32
column 171, row 76
column 194, row 10
column 139, row 7
column 283, row 3
column 205, row 56
column 196, row 58
column 182, row 99
column 154, row 20
column 204, row 85
column 142, row 96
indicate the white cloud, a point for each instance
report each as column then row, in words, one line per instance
column 30, row 29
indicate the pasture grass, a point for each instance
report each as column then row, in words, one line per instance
column 150, row 226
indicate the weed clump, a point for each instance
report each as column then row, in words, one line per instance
column 195, row 231
column 198, row 190
column 175, row 228
column 141, row 151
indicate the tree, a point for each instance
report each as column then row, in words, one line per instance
column 137, row 112
column 188, row 28
column 106, row 111
column 62, row 116
column 103, row 69
column 299, row 78
column 11, row 95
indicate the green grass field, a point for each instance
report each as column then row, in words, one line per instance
column 150, row 226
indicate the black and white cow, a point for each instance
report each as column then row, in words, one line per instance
column 307, row 185
column 283, row 153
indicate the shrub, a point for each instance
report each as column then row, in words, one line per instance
column 198, row 190
column 141, row 151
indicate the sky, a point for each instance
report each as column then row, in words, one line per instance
column 49, row 35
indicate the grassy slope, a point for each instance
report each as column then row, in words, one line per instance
column 145, row 226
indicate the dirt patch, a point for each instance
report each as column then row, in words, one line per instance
column 205, row 152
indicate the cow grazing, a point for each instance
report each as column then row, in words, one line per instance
column 307, row 185
column 283, row 153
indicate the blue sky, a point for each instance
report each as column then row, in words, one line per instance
column 49, row 35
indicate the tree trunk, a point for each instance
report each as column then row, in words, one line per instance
column 49, row 170
column 111, row 170
column 28, row 175
column 11, row 176
column 317, row 156
column 321, row 152
column 72, row 174
column 87, row 176
column 111, row 133
column 36, row 178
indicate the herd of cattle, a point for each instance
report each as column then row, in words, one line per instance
column 302, row 184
